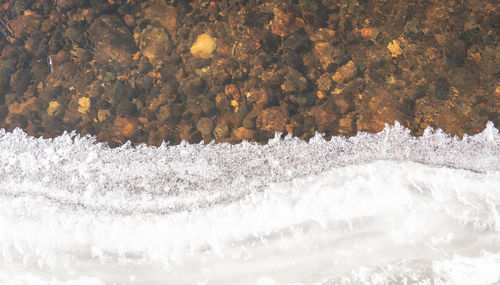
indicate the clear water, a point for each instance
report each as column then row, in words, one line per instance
column 384, row 208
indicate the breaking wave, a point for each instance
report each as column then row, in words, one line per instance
column 370, row 209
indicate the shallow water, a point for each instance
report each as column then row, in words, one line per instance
column 372, row 209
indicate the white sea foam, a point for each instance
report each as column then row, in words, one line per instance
column 372, row 209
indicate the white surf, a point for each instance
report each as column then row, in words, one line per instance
column 373, row 209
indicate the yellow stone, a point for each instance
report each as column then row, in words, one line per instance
column 84, row 104
column 337, row 91
column 320, row 94
column 235, row 104
column 390, row 80
column 204, row 46
column 53, row 107
column 394, row 48
column 102, row 115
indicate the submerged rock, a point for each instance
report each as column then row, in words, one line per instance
column 112, row 41
column 204, row 46
column 154, row 44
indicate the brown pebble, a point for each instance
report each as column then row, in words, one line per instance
column 129, row 20
column 273, row 119
column 205, row 126
column 125, row 127
column 345, row 72
column 163, row 113
column 243, row 134
column 221, row 130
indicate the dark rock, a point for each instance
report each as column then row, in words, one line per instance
column 66, row 4
column 250, row 121
column 208, row 106
column 126, row 108
column 221, row 130
column 263, row 59
column 112, row 40
column 4, row 84
column 272, row 42
column 285, row 24
column 456, row 50
column 257, row 19
column 19, row 81
column 297, row 42
column 192, row 85
column 4, row 110
column 273, row 119
column 441, row 89
column 294, row 81
column 325, row 82
column 144, row 65
column 345, row 73
column 81, row 54
column 290, row 57
column 205, row 126
column 154, row 44
column 302, row 99
column 163, row 113
column 40, row 70
column 52, row 92
column 75, row 35
column 119, row 92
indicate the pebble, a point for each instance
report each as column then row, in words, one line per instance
column 154, row 44
column 273, row 119
column 205, row 126
column 294, row 81
column 243, row 133
column 345, row 73
column 53, row 108
column 221, row 130
column 204, row 46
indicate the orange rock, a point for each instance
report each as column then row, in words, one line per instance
column 285, row 24
column 324, row 51
column 273, row 119
column 243, row 134
column 84, row 104
column 323, row 35
column 31, row 130
column 103, row 115
column 320, row 94
column 378, row 107
column 124, row 127
column 346, row 124
column 395, row 48
column 345, row 72
column 232, row 91
column 342, row 104
column 31, row 105
column 370, row 33
column 53, row 108
column 25, row 24
column 323, row 115
column 159, row 12
column 257, row 96
column 154, row 44
column 184, row 128
column 129, row 20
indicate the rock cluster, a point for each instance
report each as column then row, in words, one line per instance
column 154, row 71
